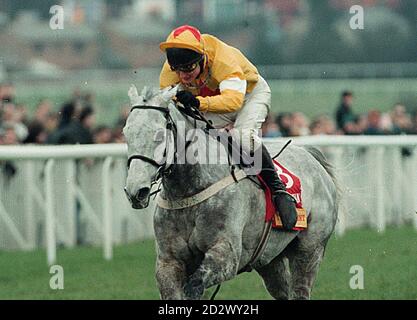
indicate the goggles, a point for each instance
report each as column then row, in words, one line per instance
column 186, row 67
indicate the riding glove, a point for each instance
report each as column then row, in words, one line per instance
column 187, row 99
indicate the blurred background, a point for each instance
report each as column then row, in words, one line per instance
column 305, row 49
column 69, row 86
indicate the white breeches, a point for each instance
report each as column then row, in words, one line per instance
column 245, row 124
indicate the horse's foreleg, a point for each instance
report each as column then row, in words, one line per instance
column 170, row 277
column 220, row 263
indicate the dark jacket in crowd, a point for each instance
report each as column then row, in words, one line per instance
column 75, row 133
column 344, row 115
column 371, row 131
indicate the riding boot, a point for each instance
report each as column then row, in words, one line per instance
column 284, row 202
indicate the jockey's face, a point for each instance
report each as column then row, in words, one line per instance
column 188, row 77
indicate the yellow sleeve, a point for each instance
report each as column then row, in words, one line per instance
column 167, row 77
column 228, row 101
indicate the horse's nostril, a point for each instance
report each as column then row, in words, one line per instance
column 143, row 193
column 127, row 194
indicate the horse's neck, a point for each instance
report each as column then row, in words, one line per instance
column 187, row 179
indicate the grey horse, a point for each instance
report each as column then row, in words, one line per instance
column 208, row 243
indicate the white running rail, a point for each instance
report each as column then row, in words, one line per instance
column 73, row 194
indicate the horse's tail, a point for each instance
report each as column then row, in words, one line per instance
column 330, row 169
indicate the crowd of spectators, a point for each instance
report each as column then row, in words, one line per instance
column 75, row 122
column 344, row 122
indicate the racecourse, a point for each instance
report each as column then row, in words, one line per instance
column 388, row 260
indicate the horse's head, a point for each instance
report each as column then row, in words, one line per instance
column 149, row 137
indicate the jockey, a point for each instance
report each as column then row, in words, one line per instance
column 225, row 86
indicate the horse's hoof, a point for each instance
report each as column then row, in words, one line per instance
column 194, row 289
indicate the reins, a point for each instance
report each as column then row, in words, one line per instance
column 162, row 169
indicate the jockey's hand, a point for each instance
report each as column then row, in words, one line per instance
column 187, row 99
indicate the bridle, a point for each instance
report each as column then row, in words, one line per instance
column 164, row 168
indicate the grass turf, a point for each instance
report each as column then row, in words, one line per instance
column 389, row 262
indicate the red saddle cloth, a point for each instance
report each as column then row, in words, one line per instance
column 293, row 184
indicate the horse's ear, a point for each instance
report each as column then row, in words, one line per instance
column 168, row 93
column 134, row 97
column 145, row 93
